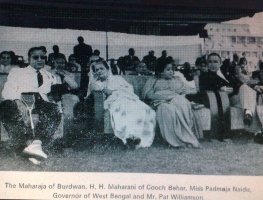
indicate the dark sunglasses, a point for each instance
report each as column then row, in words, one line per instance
column 36, row 57
column 5, row 58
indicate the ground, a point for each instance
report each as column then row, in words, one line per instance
column 104, row 153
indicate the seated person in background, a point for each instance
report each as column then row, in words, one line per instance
column 130, row 117
column 114, row 67
column 203, row 66
column 150, row 60
column 6, row 62
column 130, row 61
column 187, row 71
column 73, row 65
column 259, row 74
column 174, row 115
column 65, row 83
column 234, row 64
column 226, row 69
column 141, row 70
column 243, row 75
column 55, row 55
column 121, row 65
column 14, row 114
column 188, row 74
column 97, row 53
column 162, row 58
column 240, row 95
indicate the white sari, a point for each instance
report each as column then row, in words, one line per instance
column 130, row 117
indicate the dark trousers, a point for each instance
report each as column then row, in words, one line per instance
column 19, row 133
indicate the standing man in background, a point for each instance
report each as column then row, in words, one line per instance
column 83, row 52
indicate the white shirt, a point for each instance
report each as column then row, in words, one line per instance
column 25, row 80
column 189, row 83
column 6, row 69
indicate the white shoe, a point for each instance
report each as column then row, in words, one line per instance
column 34, row 161
column 35, row 149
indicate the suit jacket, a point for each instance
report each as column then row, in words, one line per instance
column 82, row 50
column 258, row 75
column 212, row 81
column 150, row 61
column 25, row 80
column 129, row 62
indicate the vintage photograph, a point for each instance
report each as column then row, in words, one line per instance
column 162, row 87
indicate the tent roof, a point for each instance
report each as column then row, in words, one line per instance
column 156, row 17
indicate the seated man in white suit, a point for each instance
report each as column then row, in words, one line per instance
column 13, row 111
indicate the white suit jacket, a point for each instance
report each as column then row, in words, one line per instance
column 25, row 80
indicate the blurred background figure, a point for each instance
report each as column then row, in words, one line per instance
column 97, row 53
column 114, row 67
column 73, row 65
column 150, row 60
column 130, row 61
column 186, row 70
column 56, row 54
column 6, row 61
column 162, row 59
column 121, row 65
column 142, row 70
column 83, row 52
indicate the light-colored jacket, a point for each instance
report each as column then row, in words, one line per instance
column 25, row 80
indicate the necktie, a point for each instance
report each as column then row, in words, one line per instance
column 39, row 78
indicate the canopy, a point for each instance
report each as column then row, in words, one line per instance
column 147, row 17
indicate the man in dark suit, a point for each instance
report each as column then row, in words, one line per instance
column 130, row 61
column 162, row 58
column 53, row 56
column 150, row 60
column 240, row 95
column 83, row 52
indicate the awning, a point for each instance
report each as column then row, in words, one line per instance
column 145, row 17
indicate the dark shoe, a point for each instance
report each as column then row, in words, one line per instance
column 258, row 137
column 248, row 119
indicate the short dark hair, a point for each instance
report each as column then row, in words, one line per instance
column 105, row 64
column 131, row 49
column 214, row 54
column 96, row 52
column 55, row 47
column 5, row 52
column 242, row 60
column 187, row 66
column 41, row 48
column 235, row 57
column 80, row 39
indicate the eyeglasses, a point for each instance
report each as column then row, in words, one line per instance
column 5, row 58
column 36, row 57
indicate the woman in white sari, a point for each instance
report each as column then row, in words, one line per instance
column 130, row 117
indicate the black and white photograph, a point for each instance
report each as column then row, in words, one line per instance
column 132, row 87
